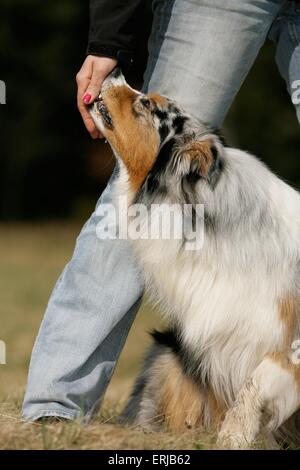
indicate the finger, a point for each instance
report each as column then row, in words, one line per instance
column 83, row 79
column 88, row 121
column 93, row 89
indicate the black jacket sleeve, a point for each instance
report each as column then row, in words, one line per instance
column 113, row 28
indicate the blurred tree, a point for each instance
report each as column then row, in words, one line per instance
column 41, row 47
column 263, row 120
column 48, row 164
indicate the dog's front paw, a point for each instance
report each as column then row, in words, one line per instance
column 239, row 429
column 232, row 440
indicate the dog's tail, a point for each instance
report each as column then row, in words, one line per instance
column 134, row 406
column 163, row 393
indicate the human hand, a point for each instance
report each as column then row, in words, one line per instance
column 89, row 80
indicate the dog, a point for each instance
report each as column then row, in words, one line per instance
column 228, row 362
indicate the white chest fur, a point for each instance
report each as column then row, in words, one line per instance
column 228, row 317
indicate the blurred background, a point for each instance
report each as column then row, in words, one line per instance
column 52, row 173
column 50, row 168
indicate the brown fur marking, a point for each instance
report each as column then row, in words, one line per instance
column 216, row 411
column 184, row 404
column 285, row 363
column 288, row 315
column 200, row 151
column 135, row 140
column 159, row 100
column 181, row 401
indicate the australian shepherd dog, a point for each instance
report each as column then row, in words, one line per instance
column 229, row 361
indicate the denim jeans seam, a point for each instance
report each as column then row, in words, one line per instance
column 292, row 32
column 53, row 412
column 296, row 34
column 91, row 410
column 124, row 334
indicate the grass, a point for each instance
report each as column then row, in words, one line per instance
column 32, row 257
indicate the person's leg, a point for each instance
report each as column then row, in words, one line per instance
column 95, row 300
column 202, row 50
column 286, row 33
column 85, row 326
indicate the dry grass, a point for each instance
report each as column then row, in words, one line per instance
column 98, row 435
column 32, row 256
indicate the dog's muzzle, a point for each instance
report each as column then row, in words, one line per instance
column 115, row 78
column 101, row 108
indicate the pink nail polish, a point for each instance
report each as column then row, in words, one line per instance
column 86, row 98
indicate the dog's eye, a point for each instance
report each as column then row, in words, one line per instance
column 146, row 103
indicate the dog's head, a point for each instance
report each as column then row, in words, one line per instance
column 148, row 131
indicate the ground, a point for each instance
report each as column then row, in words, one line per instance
column 31, row 257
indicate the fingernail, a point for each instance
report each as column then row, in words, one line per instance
column 86, row 98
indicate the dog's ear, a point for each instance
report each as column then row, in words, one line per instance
column 203, row 157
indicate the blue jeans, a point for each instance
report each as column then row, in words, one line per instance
column 200, row 53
